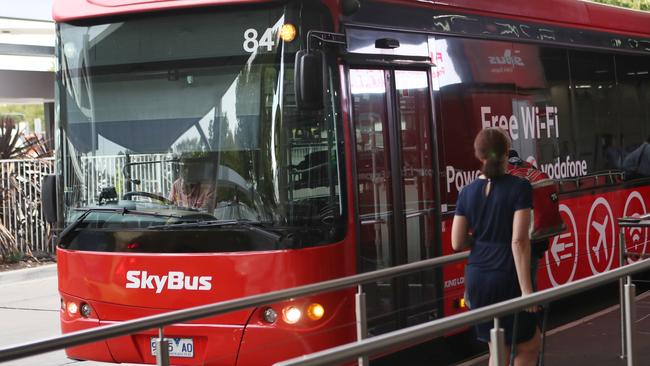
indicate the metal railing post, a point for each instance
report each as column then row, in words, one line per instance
column 630, row 317
column 497, row 344
column 621, row 291
column 362, row 320
column 162, row 349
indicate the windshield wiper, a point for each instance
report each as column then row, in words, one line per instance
column 250, row 225
column 123, row 211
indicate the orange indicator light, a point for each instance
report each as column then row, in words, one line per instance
column 288, row 32
column 315, row 311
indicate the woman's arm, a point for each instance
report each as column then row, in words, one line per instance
column 460, row 238
column 521, row 249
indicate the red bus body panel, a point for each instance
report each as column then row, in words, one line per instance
column 99, row 279
column 573, row 255
column 234, row 275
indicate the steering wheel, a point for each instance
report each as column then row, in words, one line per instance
column 129, row 195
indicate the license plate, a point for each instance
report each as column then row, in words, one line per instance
column 178, row 347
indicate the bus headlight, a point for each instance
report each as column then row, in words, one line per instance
column 291, row 314
column 315, row 311
column 85, row 310
column 270, row 316
column 73, row 308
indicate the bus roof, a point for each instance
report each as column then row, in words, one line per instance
column 68, row 10
column 578, row 13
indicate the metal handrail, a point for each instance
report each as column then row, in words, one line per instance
column 607, row 174
column 634, row 222
column 409, row 336
column 179, row 316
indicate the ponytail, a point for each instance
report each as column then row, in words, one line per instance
column 492, row 145
column 493, row 168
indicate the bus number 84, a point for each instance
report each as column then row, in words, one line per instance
column 251, row 44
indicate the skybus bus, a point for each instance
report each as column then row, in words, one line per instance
column 209, row 150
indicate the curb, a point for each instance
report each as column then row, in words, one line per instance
column 26, row 274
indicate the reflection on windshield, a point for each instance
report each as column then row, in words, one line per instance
column 172, row 113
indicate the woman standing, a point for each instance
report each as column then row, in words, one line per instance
column 496, row 210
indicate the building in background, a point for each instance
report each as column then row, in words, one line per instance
column 27, row 38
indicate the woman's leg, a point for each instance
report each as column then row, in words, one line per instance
column 528, row 351
column 505, row 356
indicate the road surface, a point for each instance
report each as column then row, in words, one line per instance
column 29, row 311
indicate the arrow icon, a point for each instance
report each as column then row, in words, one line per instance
column 557, row 247
column 636, row 234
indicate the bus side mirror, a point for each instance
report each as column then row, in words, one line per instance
column 48, row 198
column 309, row 79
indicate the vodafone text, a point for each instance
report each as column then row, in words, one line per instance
column 172, row 281
column 565, row 168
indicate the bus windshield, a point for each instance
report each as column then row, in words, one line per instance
column 192, row 115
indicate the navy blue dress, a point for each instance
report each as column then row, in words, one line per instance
column 490, row 275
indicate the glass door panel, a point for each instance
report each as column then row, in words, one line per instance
column 391, row 111
column 418, row 188
column 374, row 183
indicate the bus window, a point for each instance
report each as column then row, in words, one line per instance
column 460, row 101
column 155, row 111
column 539, row 105
column 559, row 107
column 595, row 117
column 556, row 75
column 633, row 97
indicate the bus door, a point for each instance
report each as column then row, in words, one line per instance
column 396, row 183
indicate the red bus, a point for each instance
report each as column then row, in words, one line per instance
column 209, row 150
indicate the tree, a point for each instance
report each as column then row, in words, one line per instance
column 29, row 112
column 9, row 138
column 15, row 144
column 632, row 4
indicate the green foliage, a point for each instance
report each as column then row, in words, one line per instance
column 15, row 144
column 14, row 257
column 632, row 4
column 29, row 111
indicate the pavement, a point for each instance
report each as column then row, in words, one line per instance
column 29, row 311
column 26, row 274
column 594, row 340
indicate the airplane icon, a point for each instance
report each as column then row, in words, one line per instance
column 600, row 228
